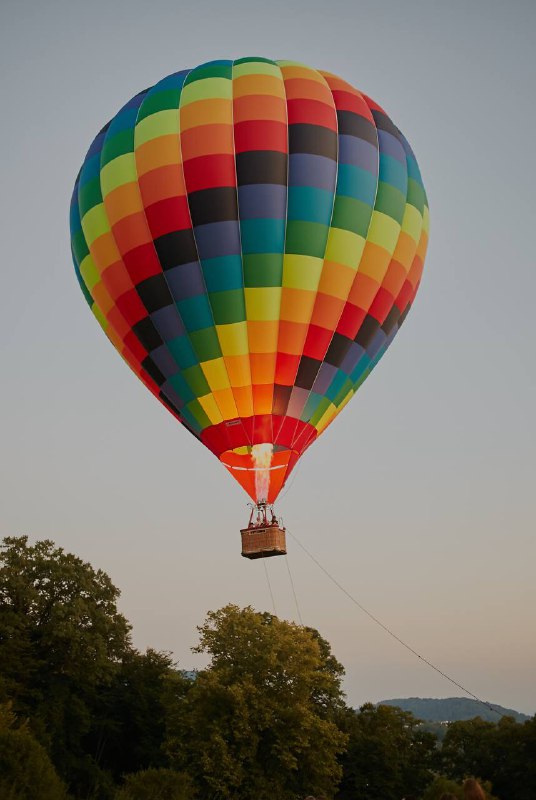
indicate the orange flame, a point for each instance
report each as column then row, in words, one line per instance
column 262, row 459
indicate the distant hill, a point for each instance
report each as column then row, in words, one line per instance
column 451, row 709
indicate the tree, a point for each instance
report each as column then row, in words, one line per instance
column 442, row 786
column 61, row 640
column 259, row 721
column 513, row 771
column 131, row 714
column 157, row 784
column 502, row 753
column 26, row 772
column 388, row 756
column 468, row 749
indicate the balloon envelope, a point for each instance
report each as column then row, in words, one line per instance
column 250, row 235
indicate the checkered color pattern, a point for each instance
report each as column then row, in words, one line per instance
column 250, row 235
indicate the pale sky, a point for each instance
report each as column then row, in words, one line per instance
column 422, row 506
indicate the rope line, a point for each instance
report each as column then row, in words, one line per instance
column 293, row 590
column 292, row 479
column 390, row 632
column 269, row 585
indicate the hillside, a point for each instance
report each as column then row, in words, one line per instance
column 451, row 709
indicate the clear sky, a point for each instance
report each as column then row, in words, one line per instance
column 420, row 497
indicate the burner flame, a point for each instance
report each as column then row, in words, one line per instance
column 262, row 459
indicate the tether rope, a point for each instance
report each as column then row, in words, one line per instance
column 390, row 632
column 292, row 479
column 293, row 590
column 269, row 585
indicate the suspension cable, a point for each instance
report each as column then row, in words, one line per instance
column 390, row 632
column 292, row 479
column 293, row 590
column 269, row 585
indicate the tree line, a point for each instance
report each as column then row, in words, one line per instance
column 83, row 714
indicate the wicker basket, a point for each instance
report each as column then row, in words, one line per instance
column 262, row 542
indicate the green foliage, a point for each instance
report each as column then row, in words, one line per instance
column 265, row 720
column 388, row 756
column 26, row 772
column 61, row 641
column 503, row 753
column 130, row 717
column 64, row 615
column 259, row 722
column 441, row 786
column 438, row 729
column 157, row 784
column 467, row 748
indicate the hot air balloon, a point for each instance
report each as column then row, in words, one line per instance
column 250, row 235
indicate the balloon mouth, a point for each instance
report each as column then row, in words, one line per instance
column 261, row 470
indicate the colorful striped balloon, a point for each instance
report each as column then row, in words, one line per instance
column 250, row 235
